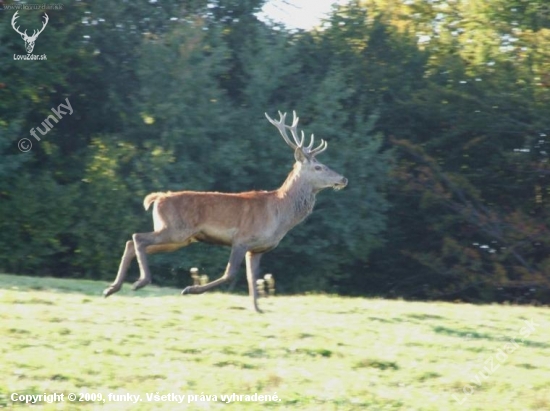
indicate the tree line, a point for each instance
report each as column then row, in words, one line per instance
column 436, row 112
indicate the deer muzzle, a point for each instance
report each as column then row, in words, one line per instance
column 341, row 184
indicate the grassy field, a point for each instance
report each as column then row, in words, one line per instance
column 313, row 352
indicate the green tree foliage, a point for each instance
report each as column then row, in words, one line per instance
column 473, row 164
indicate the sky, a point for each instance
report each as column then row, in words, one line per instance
column 297, row 14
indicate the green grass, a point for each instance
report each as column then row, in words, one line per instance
column 316, row 352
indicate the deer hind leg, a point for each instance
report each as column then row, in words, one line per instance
column 252, row 272
column 127, row 257
column 141, row 245
column 141, row 242
column 235, row 260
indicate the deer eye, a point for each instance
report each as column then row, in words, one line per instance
column 318, row 168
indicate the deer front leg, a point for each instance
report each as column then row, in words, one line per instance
column 252, row 273
column 235, row 260
column 127, row 257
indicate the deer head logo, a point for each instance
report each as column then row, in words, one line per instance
column 29, row 40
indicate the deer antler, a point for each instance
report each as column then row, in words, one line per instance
column 298, row 141
column 317, row 150
column 15, row 17
column 294, row 130
column 35, row 32
column 44, row 24
column 46, row 20
column 282, row 129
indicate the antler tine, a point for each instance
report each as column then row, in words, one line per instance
column 319, row 149
column 294, row 130
column 282, row 128
column 308, row 148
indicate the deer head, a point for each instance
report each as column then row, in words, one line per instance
column 29, row 40
column 319, row 175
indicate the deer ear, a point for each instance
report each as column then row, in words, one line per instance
column 300, row 156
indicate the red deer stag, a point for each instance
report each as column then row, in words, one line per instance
column 251, row 223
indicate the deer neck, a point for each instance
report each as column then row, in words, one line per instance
column 297, row 197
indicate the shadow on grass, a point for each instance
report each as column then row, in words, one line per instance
column 425, row 316
column 466, row 334
column 474, row 335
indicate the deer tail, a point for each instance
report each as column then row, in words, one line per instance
column 149, row 199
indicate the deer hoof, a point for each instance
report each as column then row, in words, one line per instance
column 110, row 290
column 187, row 290
column 140, row 284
